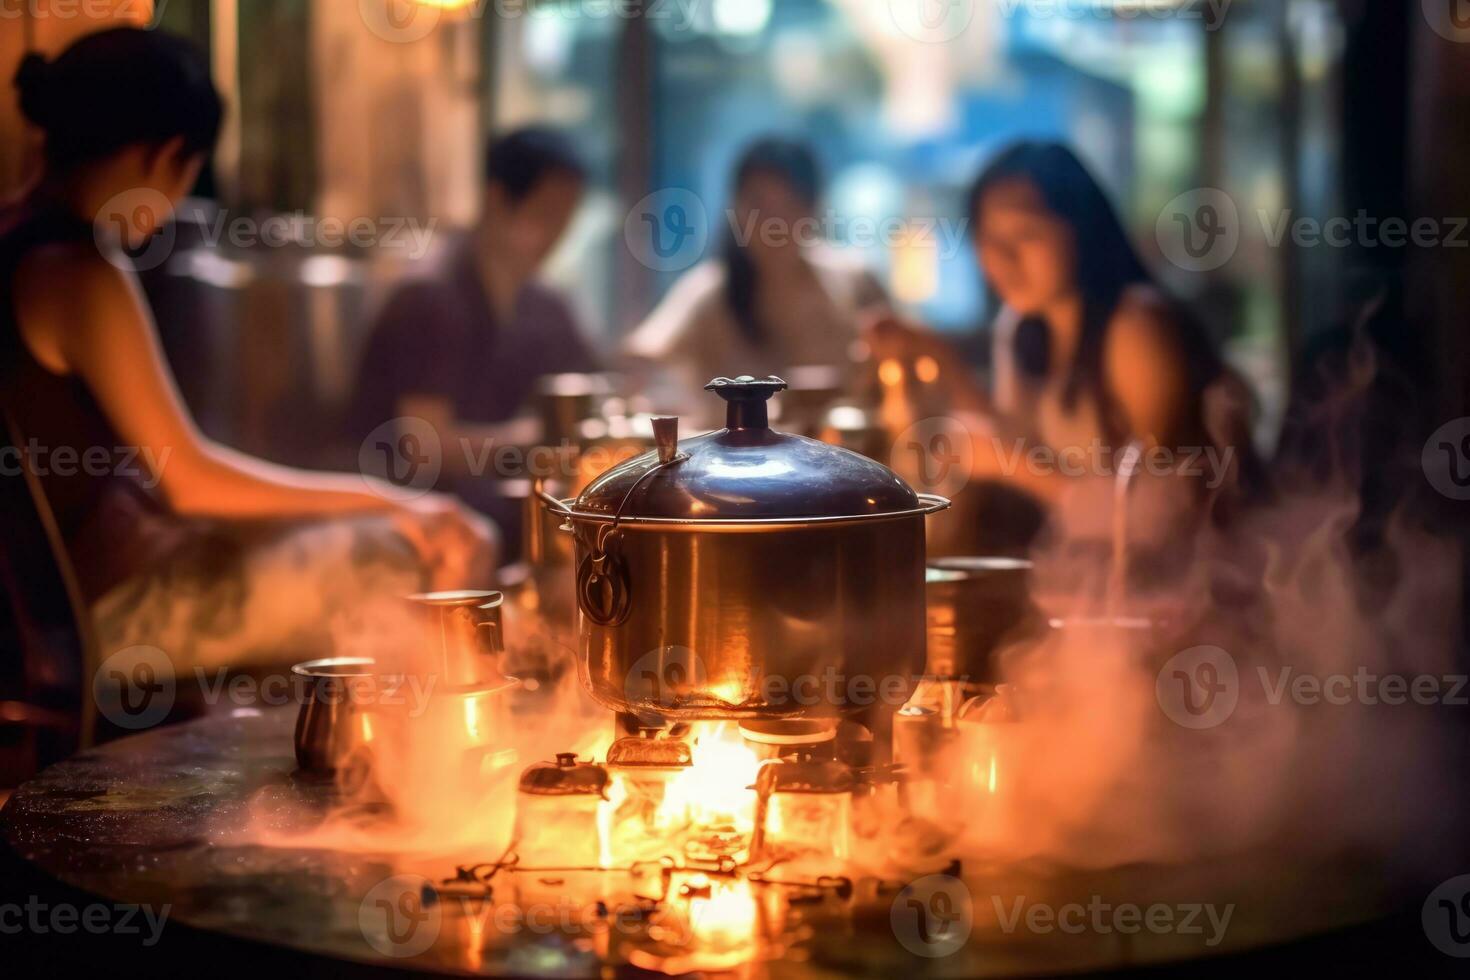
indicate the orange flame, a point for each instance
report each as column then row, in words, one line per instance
column 718, row 788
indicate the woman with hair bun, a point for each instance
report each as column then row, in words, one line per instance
column 177, row 542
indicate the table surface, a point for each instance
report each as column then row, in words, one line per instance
column 158, row 819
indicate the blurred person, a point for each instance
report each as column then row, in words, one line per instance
column 1090, row 354
column 775, row 298
column 180, row 543
column 462, row 344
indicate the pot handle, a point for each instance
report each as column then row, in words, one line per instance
column 933, row 503
column 604, row 592
column 554, row 504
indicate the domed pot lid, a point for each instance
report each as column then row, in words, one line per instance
column 747, row 472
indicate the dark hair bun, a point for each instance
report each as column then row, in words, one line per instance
column 118, row 87
column 30, row 81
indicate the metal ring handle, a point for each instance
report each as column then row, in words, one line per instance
column 933, row 503
column 604, row 591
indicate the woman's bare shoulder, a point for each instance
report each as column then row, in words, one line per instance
column 64, row 293
column 69, row 272
column 1146, row 301
column 1145, row 318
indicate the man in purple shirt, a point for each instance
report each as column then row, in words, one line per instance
column 462, row 344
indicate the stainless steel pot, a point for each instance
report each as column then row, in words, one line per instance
column 747, row 573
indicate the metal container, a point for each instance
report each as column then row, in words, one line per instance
column 565, row 401
column 792, row 738
column 469, row 701
column 643, row 824
column 334, row 724
column 556, row 813
column 465, row 632
column 973, row 606
column 747, row 573
column 804, row 811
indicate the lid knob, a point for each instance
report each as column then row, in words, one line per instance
column 666, row 437
column 746, row 399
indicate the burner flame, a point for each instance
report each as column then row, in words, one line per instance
column 717, row 790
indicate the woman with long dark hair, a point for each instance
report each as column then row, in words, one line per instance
column 177, row 541
column 1098, row 351
column 775, row 297
column 1090, row 353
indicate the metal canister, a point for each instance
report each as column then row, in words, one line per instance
column 556, row 813
column 464, row 629
column 988, row 731
column 333, row 726
column 645, row 821
column 565, row 401
column 973, row 607
column 803, row 811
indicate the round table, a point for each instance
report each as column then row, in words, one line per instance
column 157, row 821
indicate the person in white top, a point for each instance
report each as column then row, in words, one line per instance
column 1091, row 356
column 777, row 296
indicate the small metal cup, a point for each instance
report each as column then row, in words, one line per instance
column 333, row 724
column 465, row 629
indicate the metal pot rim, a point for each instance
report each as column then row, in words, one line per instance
column 929, row 503
column 329, row 668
